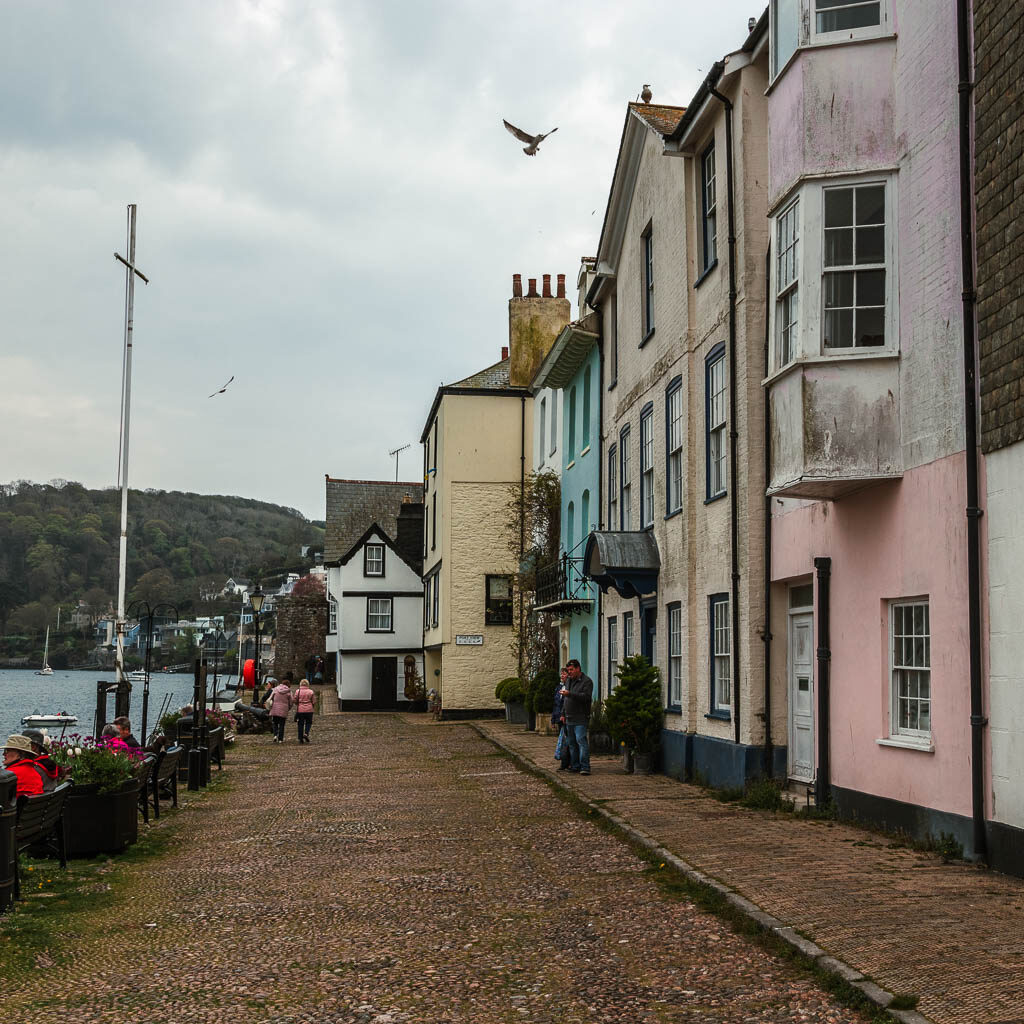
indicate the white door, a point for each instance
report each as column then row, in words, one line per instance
column 801, row 697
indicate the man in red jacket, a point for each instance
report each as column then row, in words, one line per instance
column 18, row 758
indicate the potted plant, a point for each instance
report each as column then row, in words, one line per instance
column 512, row 694
column 416, row 692
column 101, row 809
column 540, row 698
column 600, row 736
column 635, row 713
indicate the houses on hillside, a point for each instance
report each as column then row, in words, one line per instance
column 781, row 480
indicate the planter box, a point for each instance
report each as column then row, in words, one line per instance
column 643, row 764
column 515, row 714
column 101, row 822
column 627, row 760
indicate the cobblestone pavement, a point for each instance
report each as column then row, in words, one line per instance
column 951, row 933
column 394, row 872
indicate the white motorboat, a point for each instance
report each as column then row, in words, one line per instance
column 60, row 718
column 138, row 676
column 46, row 670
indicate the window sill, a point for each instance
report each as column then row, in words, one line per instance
column 673, row 513
column 570, row 464
column 719, row 716
column 380, row 631
column 611, row 386
column 674, row 709
column 715, row 497
column 646, row 338
column 705, row 273
column 584, row 452
column 857, row 355
column 922, row 745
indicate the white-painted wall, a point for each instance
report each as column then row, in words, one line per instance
column 1004, row 517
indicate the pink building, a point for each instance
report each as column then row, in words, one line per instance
column 869, row 667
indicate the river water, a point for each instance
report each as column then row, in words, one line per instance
column 22, row 692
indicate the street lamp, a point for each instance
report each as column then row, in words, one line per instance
column 256, row 599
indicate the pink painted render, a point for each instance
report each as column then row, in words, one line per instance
column 894, row 540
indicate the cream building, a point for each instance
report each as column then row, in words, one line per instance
column 478, row 446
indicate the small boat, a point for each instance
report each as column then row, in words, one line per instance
column 46, row 670
column 224, row 700
column 138, row 676
column 60, row 718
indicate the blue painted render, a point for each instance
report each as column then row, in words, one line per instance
column 718, row 763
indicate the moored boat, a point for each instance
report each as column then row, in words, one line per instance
column 46, row 670
column 60, row 718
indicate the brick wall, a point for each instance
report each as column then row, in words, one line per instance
column 301, row 631
column 999, row 197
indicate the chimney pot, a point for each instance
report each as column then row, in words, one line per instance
column 504, row 351
column 517, row 286
column 547, row 286
column 532, row 293
column 561, row 286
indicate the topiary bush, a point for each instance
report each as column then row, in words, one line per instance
column 540, row 697
column 634, row 709
column 510, row 691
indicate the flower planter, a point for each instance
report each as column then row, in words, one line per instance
column 643, row 764
column 101, row 822
column 515, row 714
column 627, row 760
column 419, row 706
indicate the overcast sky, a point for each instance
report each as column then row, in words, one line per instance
column 329, row 209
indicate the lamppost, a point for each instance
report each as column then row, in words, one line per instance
column 216, row 643
column 137, row 609
column 256, row 599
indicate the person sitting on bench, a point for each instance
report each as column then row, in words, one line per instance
column 18, row 758
column 49, row 771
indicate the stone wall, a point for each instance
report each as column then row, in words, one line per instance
column 999, row 151
column 301, row 631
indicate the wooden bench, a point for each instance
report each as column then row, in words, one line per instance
column 39, row 821
column 165, row 777
column 215, row 748
column 144, row 773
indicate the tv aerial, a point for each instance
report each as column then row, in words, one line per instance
column 394, row 454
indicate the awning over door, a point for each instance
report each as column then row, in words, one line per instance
column 627, row 562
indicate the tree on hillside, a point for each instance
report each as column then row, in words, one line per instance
column 308, row 586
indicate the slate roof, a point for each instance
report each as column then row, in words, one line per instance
column 662, row 119
column 352, row 505
column 495, row 376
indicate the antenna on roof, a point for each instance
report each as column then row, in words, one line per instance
column 394, row 454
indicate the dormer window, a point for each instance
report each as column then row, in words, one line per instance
column 373, row 560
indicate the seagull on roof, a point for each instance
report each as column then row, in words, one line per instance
column 532, row 141
column 220, row 391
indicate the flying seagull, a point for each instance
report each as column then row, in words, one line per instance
column 532, row 141
column 221, row 391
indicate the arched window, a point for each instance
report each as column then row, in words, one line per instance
column 570, row 536
column 571, row 452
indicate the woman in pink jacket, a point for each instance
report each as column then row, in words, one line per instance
column 281, row 700
column 305, row 702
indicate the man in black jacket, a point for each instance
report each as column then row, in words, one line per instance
column 578, row 694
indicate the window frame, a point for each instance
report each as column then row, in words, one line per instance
column 647, row 466
column 673, row 454
column 628, row 635
column 585, row 414
column 554, row 422
column 647, row 279
column 625, row 483
column 612, row 651
column 788, row 292
column 433, row 521
column 908, row 734
column 570, row 453
column 491, row 616
column 674, row 666
column 380, row 599
column 382, row 548
column 613, row 486
column 332, row 616
column 715, row 357
column 543, row 430
column 719, row 708
column 818, row 37
column 435, row 601
column 613, row 336
column 427, row 583
column 708, row 241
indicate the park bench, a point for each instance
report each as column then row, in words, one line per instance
column 144, row 772
column 215, row 749
column 39, row 822
column 165, row 778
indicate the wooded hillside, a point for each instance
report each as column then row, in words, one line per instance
column 59, row 545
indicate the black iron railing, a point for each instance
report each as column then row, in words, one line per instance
column 562, row 581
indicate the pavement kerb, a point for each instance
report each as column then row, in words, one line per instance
column 818, row 956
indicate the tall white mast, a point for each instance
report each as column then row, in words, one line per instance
column 126, row 401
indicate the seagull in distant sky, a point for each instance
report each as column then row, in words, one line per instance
column 532, row 141
column 220, row 391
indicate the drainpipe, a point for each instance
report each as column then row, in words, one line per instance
column 823, row 569
column 522, row 516
column 733, row 433
column 974, row 512
column 767, row 635
column 600, row 494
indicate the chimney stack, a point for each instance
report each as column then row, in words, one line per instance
column 504, row 351
column 534, row 321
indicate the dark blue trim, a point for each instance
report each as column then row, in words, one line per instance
column 706, row 273
column 720, row 716
column 705, row 264
column 623, row 449
column 718, row 352
column 674, row 385
column 646, row 413
column 611, row 621
column 646, row 338
column 570, row 446
column 613, row 454
column 647, row 254
column 713, row 599
column 676, row 709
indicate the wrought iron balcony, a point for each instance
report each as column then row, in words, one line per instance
column 562, row 587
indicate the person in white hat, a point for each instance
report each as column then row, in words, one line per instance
column 18, row 758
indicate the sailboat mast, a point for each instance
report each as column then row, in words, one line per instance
column 126, row 402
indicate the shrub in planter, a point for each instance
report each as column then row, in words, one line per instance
column 540, row 697
column 600, row 736
column 634, row 708
column 510, row 691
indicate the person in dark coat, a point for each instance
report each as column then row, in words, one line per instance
column 558, row 721
column 49, row 771
column 124, row 728
column 578, row 695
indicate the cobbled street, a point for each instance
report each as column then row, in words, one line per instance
column 399, row 872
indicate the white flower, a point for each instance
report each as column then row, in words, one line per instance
column 78, row 751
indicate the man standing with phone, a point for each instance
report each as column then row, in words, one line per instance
column 578, row 695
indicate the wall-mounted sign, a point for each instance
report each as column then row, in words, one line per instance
column 469, row 639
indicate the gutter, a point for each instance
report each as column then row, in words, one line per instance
column 974, row 513
column 823, row 783
column 709, row 84
column 766, row 636
column 522, row 516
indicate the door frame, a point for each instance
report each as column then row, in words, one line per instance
column 793, row 614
